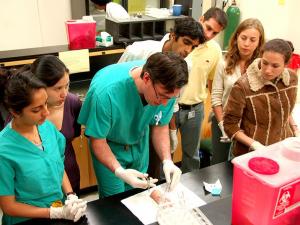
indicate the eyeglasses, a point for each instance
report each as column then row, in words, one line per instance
column 159, row 97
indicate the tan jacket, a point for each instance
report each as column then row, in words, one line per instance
column 260, row 108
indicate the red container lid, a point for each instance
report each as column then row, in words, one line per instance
column 294, row 61
column 263, row 165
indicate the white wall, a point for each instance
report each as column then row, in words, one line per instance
column 53, row 15
column 33, row 23
column 280, row 18
column 37, row 23
column 19, row 24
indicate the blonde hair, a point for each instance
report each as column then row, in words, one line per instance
column 232, row 57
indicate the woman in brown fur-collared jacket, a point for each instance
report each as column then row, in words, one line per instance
column 258, row 111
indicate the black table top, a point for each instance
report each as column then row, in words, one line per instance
column 110, row 210
column 218, row 212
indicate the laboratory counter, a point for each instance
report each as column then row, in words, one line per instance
column 18, row 56
column 99, row 57
column 110, row 210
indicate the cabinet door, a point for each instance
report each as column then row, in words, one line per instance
column 84, row 160
column 19, row 25
column 53, row 15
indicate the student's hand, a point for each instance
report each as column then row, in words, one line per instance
column 135, row 178
column 73, row 199
column 172, row 173
column 224, row 137
column 69, row 211
column 173, row 140
column 257, row 146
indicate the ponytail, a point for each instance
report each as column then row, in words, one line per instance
column 4, row 77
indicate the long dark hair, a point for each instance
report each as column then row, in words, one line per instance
column 16, row 88
column 49, row 69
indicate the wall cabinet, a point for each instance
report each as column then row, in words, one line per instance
column 31, row 23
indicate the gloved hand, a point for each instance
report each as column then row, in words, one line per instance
column 173, row 140
column 257, row 146
column 297, row 133
column 172, row 173
column 135, row 178
column 224, row 137
column 69, row 211
column 73, row 199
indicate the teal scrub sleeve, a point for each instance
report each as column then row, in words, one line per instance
column 98, row 119
column 167, row 113
column 6, row 178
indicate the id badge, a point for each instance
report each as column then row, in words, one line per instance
column 191, row 114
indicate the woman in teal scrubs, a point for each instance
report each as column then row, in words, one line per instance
column 32, row 156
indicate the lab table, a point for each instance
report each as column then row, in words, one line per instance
column 110, row 210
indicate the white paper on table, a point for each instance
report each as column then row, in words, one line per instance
column 145, row 208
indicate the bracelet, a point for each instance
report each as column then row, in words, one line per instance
column 70, row 193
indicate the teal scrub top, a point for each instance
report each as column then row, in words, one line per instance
column 32, row 175
column 113, row 108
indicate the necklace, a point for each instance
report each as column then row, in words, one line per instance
column 36, row 138
column 32, row 136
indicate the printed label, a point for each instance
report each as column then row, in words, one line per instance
column 288, row 198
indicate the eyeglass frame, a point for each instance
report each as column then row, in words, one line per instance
column 162, row 98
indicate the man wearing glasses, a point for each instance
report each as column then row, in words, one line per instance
column 186, row 35
column 123, row 100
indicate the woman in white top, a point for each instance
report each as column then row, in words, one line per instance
column 244, row 47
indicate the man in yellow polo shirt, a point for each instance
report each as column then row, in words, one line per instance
column 203, row 60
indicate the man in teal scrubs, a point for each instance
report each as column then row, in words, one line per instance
column 123, row 100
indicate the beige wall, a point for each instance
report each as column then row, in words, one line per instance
column 279, row 17
column 37, row 23
column 33, row 23
column 281, row 21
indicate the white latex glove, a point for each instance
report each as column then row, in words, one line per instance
column 257, row 146
column 173, row 140
column 172, row 173
column 73, row 199
column 69, row 211
column 135, row 178
column 297, row 133
column 224, row 137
